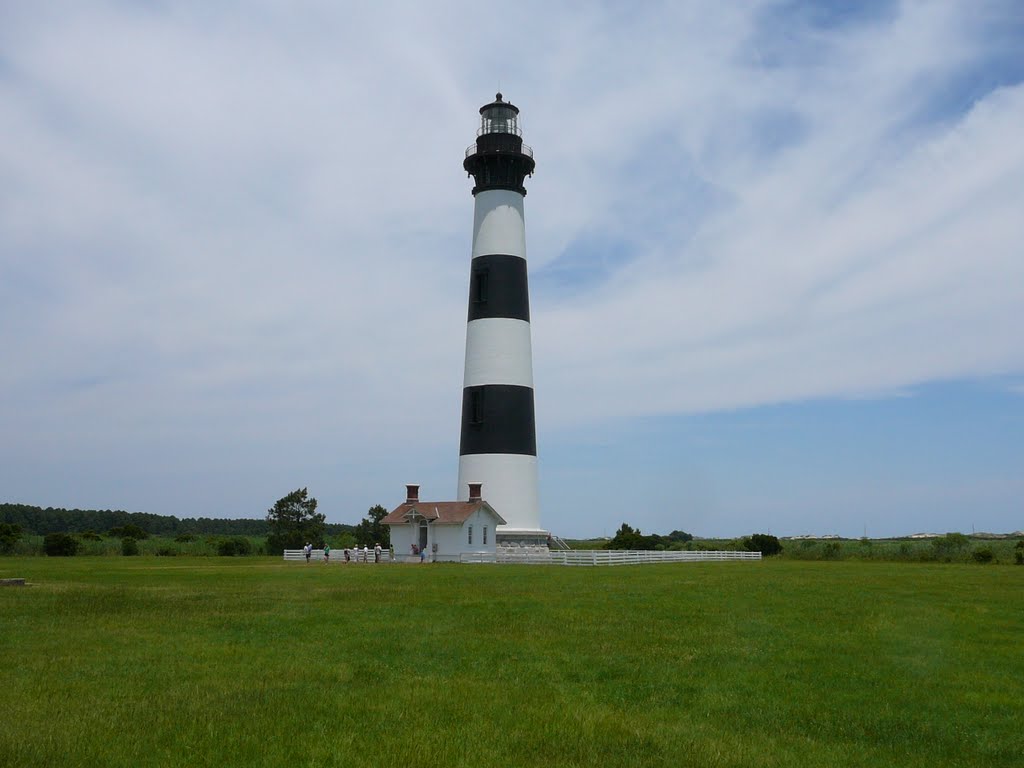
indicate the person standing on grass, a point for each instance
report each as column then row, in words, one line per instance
column 391, row 553
column 327, row 553
column 366, row 553
column 376, row 552
column 308, row 549
column 346, row 554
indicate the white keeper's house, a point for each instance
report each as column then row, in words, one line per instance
column 443, row 529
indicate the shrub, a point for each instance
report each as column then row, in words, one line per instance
column 60, row 545
column 764, row 543
column 236, row 545
column 129, row 546
column 949, row 545
column 9, row 535
column 129, row 531
column 166, row 552
column 91, row 536
column 182, row 538
column 1018, row 553
column 982, row 555
column 831, row 550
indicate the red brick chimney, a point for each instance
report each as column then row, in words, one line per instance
column 474, row 491
column 412, row 494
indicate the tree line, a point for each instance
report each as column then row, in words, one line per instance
column 628, row 537
column 38, row 521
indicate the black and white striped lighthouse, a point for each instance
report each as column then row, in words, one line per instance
column 499, row 436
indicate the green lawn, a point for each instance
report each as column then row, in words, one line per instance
column 254, row 662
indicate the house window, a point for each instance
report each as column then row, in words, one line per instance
column 471, row 534
column 485, row 535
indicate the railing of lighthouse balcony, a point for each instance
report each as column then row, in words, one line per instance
column 524, row 149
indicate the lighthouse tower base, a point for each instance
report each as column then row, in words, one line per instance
column 531, row 538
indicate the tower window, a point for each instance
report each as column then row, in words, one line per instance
column 476, row 407
column 470, row 534
column 485, row 535
column 480, row 287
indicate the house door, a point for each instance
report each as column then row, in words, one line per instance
column 423, row 537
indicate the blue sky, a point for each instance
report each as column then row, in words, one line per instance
column 775, row 250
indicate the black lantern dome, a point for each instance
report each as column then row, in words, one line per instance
column 499, row 159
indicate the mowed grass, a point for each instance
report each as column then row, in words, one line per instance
column 256, row 662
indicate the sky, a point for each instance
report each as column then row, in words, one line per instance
column 776, row 257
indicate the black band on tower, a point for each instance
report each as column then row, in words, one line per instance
column 498, row 288
column 498, row 418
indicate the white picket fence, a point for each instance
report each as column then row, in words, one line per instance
column 337, row 555
column 539, row 556
column 597, row 557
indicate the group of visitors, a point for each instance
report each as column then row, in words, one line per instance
column 352, row 553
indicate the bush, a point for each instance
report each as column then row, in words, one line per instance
column 764, row 543
column 982, row 555
column 9, row 535
column 91, row 536
column 129, row 531
column 129, row 546
column 236, row 545
column 60, row 545
column 831, row 550
column 182, row 538
column 1018, row 553
column 166, row 552
column 950, row 545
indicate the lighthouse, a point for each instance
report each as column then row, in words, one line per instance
column 498, row 445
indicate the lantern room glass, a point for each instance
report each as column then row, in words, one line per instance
column 499, row 119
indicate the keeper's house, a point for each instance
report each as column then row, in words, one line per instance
column 443, row 529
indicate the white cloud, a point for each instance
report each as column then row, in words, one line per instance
column 225, row 232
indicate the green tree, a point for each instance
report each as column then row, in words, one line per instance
column 60, row 545
column 628, row 537
column 293, row 521
column 10, row 533
column 951, row 545
column 764, row 543
column 128, row 531
column 371, row 531
column 235, row 545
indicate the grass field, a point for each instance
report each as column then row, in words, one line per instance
column 251, row 661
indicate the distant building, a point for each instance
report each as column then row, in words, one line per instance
column 443, row 529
